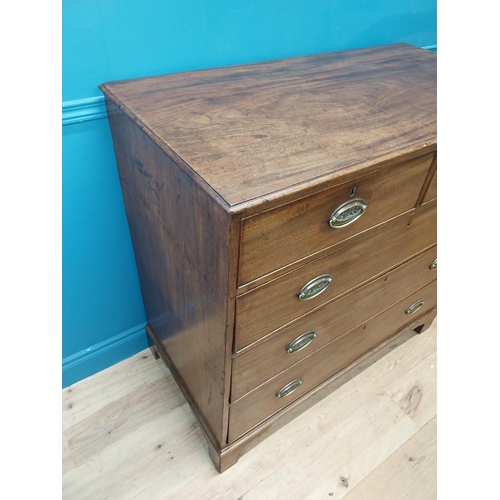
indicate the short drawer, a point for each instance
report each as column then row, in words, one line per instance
column 277, row 393
column 276, row 303
column 303, row 227
column 301, row 338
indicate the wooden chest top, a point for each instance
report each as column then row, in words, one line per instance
column 259, row 132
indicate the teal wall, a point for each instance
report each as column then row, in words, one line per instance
column 103, row 315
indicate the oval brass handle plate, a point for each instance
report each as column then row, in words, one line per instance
column 415, row 307
column 315, row 287
column 300, row 342
column 289, row 388
column 347, row 213
column 434, row 265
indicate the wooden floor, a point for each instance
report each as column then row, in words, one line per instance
column 128, row 433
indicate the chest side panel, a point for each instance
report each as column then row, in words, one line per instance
column 181, row 240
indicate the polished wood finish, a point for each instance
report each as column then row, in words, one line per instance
column 302, row 227
column 305, row 117
column 272, row 305
column 262, row 403
column 185, row 289
column 259, row 364
column 247, row 441
column 229, row 177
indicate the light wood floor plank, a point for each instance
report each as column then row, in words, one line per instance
column 126, row 415
column 67, row 458
column 133, row 467
column 415, row 391
column 353, row 456
column 123, row 469
column 408, row 474
column 296, row 437
column 343, row 456
column 89, row 395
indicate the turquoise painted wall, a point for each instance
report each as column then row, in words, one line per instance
column 103, row 315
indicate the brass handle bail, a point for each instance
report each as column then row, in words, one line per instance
column 314, row 287
column 289, row 388
column 347, row 213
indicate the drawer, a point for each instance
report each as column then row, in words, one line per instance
column 263, row 402
column 263, row 361
column 431, row 193
column 276, row 303
column 303, row 227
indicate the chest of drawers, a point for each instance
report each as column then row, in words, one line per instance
column 283, row 218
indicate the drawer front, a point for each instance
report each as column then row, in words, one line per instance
column 431, row 193
column 311, row 371
column 262, row 362
column 303, row 227
column 275, row 304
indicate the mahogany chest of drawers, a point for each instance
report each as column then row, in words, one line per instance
column 283, row 218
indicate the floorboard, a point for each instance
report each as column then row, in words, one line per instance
column 129, row 434
column 408, row 474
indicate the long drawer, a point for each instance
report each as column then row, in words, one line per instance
column 278, row 392
column 276, row 303
column 303, row 227
column 311, row 332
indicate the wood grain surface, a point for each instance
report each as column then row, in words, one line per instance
column 302, row 227
column 181, row 244
column 262, row 402
column 263, row 361
column 275, row 304
column 409, row 473
column 259, row 131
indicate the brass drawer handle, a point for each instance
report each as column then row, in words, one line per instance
column 434, row 265
column 347, row 213
column 289, row 388
column 415, row 307
column 300, row 342
column 315, row 287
